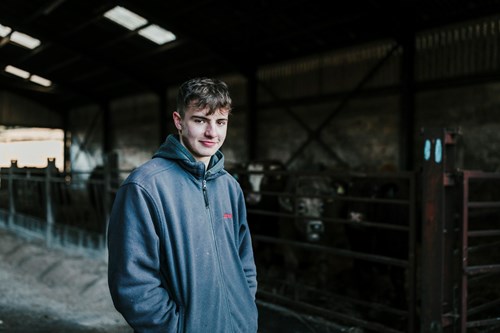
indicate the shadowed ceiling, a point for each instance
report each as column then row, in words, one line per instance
column 91, row 59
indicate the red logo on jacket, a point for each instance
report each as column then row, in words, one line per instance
column 228, row 216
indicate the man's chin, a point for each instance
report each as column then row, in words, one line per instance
column 205, row 153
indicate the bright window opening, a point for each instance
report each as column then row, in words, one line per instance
column 31, row 147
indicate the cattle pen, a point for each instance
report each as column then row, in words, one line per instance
column 380, row 252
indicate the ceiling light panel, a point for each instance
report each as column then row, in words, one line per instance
column 157, row 34
column 24, row 40
column 17, row 71
column 40, row 80
column 125, row 17
column 4, row 31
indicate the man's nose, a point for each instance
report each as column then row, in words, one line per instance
column 209, row 129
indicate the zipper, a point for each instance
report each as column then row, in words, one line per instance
column 216, row 249
column 205, row 196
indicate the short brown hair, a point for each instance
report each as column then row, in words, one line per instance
column 203, row 92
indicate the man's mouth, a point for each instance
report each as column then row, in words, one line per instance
column 208, row 144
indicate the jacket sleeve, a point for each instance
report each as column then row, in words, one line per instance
column 137, row 288
column 245, row 249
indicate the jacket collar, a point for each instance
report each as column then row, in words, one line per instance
column 172, row 149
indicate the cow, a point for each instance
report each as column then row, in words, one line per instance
column 303, row 223
column 264, row 176
column 262, row 181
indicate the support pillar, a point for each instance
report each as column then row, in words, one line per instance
column 440, row 231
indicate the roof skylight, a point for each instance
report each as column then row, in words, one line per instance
column 133, row 21
column 19, row 38
column 4, row 31
column 26, row 75
column 157, row 34
column 17, row 71
column 24, row 40
column 40, row 80
column 125, row 17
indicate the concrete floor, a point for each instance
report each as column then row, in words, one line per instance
column 48, row 291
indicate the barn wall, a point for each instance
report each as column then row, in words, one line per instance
column 18, row 111
column 135, row 128
column 86, row 129
column 298, row 97
column 134, row 122
column 362, row 132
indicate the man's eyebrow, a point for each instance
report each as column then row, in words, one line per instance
column 199, row 117
column 208, row 118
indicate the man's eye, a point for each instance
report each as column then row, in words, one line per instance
column 199, row 121
column 222, row 123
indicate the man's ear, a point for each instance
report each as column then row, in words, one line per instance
column 177, row 120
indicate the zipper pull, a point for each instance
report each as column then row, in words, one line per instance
column 205, row 192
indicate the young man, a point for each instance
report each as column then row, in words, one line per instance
column 180, row 252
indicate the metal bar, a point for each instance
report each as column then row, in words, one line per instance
column 12, row 201
column 492, row 245
column 338, row 198
column 49, row 212
column 464, row 247
column 337, row 298
column 368, row 224
column 483, row 307
column 473, row 270
column 335, row 251
column 485, row 322
column 484, row 204
column 335, row 315
column 475, row 174
column 412, row 258
column 484, row 233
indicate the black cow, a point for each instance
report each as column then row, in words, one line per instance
column 304, row 205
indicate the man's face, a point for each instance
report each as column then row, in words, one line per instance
column 200, row 133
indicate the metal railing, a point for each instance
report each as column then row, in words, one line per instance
column 479, row 287
column 65, row 210
column 324, row 281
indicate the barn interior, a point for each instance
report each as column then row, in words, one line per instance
column 393, row 105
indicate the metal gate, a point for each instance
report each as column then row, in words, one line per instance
column 460, row 241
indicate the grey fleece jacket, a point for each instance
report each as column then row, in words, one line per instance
column 180, row 252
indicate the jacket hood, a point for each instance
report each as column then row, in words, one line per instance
column 172, row 149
